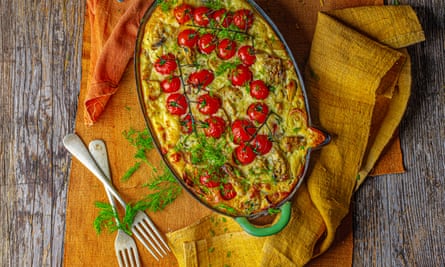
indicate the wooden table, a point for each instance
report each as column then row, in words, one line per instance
column 399, row 220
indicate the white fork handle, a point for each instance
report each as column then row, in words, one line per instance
column 75, row 146
column 98, row 151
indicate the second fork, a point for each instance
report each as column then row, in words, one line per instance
column 125, row 247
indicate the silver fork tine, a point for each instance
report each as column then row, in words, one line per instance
column 132, row 257
column 143, row 238
column 153, row 227
column 123, row 257
column 127, row 258
column 142, row 228
column 119, row 259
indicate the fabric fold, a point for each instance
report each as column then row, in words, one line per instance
column 344, row 103
column 113, row 51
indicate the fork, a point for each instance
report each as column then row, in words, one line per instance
column 143, row 228
column 125, row 247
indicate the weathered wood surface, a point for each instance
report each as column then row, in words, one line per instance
column 399, row 220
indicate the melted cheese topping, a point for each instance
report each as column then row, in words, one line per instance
column 270, row 178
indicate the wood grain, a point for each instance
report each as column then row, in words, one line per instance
column 398, row 219
column 40, row 43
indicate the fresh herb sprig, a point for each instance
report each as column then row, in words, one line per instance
column 211, row 152
column 231, row 32
column 273, row 211
column 143, row 142
column 166, row 5
column 108, row 216
column 164, row 188
column 226, row 66
column 213, row 4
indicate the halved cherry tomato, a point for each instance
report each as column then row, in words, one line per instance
column 208, row 180
column 259, row 90
column 226, row 49
column 186, row 124
column 166, row 64
column 208, row 104
column 247, row 55
column 175, row 157
column 215, row 127
column 188, row 38
column 242, row 130
column 258, row 112
column 177, row 104
column 183, row 13
column 207, row 43
column 244, row 154
column 241, row 75
column 261, row 144
column 201, row 78
column 243, row 19
column 201, row 16
column 223, row 17
column 228, row 192
column 171, row 84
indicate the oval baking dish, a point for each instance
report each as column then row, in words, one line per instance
column 225, row 103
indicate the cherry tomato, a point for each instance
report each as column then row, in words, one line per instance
column 201, row 16
column 241, row 75
column 208, row 104
column 201, row 78
column 188, row 38
column 258, row 112
column 226, row 49
column 228, row 192
column 244, row 154
column 215, row 127
column 186, row 124
column 183, row 13
column 208, row 180
column 247, row 55
column 223, row 17
column 261, row 144
column 166, row 64
column 171, row 84
column 177, row 104
column 175, row 157
column 207, row 43
column 259, row 90
column 243, row 19
column 242, row 130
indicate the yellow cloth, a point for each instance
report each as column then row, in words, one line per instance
column 358, row 88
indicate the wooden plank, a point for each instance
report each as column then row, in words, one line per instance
column 40, row 62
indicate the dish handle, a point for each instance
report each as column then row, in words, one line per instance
column 275, row 228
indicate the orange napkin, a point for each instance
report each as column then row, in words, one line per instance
column 112, row 51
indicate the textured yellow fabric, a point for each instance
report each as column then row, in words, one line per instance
column 394, row 26
column 358, row 88
column 215, row 237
